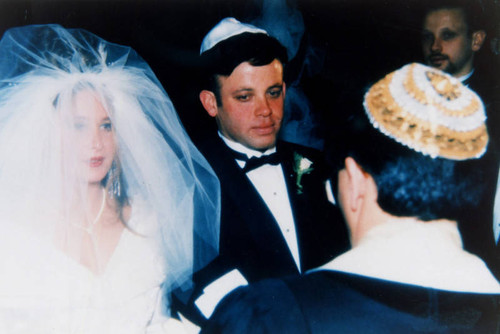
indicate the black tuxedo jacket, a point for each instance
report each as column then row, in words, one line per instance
column 486, row 83
column 336, row 302
column 250, row 238
column 476, row 227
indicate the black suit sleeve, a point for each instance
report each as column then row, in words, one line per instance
column 266, row 307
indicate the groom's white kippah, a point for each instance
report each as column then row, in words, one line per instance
column 225, row 29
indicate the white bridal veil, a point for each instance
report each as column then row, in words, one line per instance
column 162, row 174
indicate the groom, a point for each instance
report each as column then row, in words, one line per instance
column 276, row 219
column 401, row 194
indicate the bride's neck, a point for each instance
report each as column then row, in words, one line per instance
column 95, row 195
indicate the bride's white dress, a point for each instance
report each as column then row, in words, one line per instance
column 42, row 290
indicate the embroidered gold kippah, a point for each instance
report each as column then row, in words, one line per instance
column 430, row 112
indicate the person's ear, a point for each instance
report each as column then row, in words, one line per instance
column 357, row 183
column 284, row 90
column 209, row 102
column 478, row 38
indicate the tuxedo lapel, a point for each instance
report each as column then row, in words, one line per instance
column 287, row 164
column 298, row 201
column 254, row 216
column 251, row 240
column 321, row 231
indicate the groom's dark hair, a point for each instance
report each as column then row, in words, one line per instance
column 258, row 49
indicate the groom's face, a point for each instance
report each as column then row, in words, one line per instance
column 251, row 107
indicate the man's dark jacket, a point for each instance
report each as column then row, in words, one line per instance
column 250, row 239
column 336, row 302
column 476, row 227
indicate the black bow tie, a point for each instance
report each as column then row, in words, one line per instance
column 254, row 162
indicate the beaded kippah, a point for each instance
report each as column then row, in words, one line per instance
column 430, row 112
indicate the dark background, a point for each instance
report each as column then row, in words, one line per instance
column 358, row 41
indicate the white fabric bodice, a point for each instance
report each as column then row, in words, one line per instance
column 42, row 290
column 427, row 254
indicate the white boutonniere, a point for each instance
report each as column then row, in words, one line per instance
column 302, row 166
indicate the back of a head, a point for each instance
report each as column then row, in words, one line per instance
column 421, row 168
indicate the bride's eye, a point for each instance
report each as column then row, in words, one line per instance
column 107, row 126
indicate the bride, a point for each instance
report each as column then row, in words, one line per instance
column 104, row 200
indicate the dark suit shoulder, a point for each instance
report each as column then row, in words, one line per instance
column 398, row 307
column 211, row 146
column 264, row 307
column 335, row 302
column 485, row 83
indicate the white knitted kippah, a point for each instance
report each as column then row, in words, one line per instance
column 225, row 29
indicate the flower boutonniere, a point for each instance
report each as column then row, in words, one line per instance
column 302, row 166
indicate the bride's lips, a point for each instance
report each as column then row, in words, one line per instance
column 96, row 161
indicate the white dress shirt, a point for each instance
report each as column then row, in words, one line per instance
column 269, row 180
